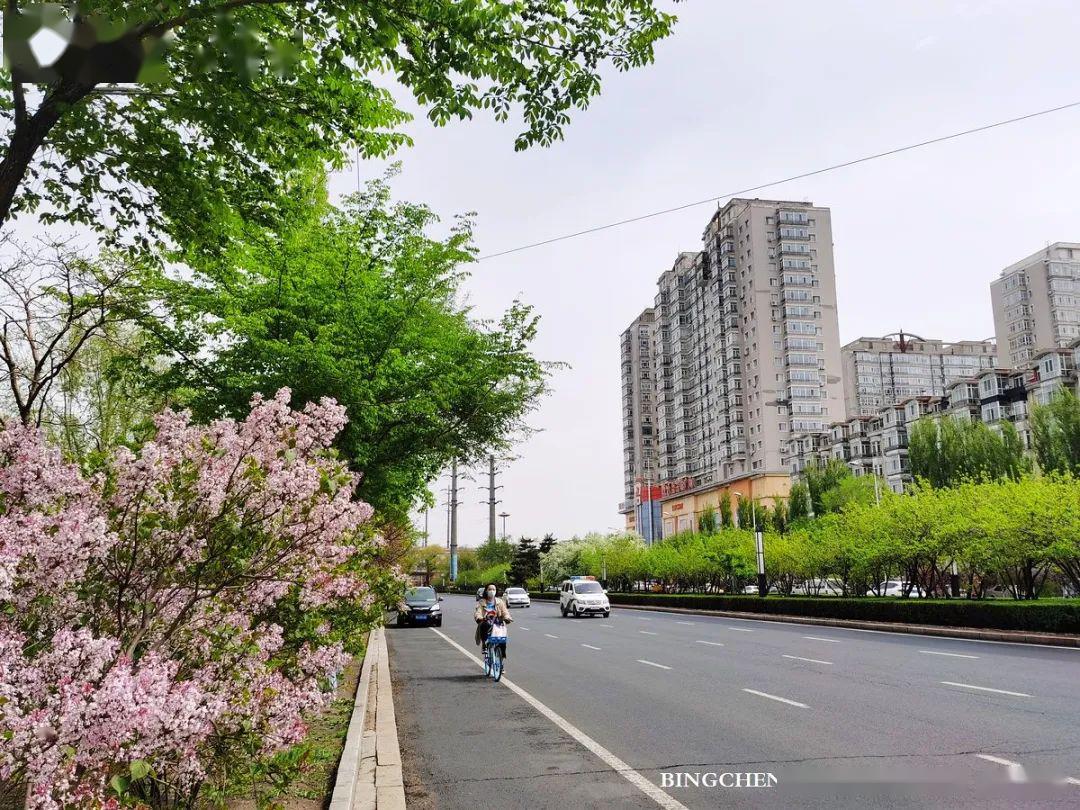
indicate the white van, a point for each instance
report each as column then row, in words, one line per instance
column 582, row 596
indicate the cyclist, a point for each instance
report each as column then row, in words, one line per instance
column 488, row 610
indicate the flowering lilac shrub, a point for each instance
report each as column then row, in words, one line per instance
column 180, row 612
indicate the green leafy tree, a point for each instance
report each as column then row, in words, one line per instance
column 1055, row 433
column 495, row 551
column 945, row 452
column 780, row 519
column 726, row 519
column 228, row 121
column 820, row 480
column 526, row 562
column 359, row 305
column 707, row 520
column 548, row 543
column 848, row 490
column 798, row 502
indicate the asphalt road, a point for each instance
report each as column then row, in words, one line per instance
column 840, row 718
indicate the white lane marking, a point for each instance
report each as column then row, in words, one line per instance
column 985, row 689
column 590, row 646
column 741, row 629
column 651, row 664
column 550, row 636
column 522, row 628
column 950, row 655
column 643, row 619
column 1072, row 780
column 690, row 623
column 811, row 660
column 1016, row 770
column 646, row 632
column 612, row 761
column 774, row 697
column 819, row 638
column 710, row 643
column 607, row 625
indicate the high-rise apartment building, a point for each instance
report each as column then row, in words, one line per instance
column 746, row 352
column 771, row 326
column 884, row 371
column 1037, row 304
column 638, row 412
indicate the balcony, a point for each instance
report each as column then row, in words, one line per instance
column 794, row 249
column 793, row 218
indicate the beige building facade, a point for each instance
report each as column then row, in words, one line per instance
column 879, row 372
column 745, row 354
column 1036, row 304
column 638, row 408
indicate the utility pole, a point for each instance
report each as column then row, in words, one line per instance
column 448, row 499
column 453, row 520
column 491, row 500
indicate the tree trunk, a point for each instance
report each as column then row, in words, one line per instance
column 27, row 138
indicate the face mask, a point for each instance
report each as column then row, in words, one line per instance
column 491, row 594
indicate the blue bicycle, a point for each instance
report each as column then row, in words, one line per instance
column 495, row 650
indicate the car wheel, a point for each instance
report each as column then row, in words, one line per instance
column 400, row 620
column 577, row 613
column 439, row 623
column 606, row 614
column 563, row 610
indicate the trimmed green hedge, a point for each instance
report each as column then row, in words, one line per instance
column 1039, row 616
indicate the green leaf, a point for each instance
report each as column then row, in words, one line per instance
column 140, row 769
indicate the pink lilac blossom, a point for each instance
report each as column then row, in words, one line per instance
column 178, row 657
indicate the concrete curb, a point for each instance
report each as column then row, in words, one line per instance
column 978, row 634
column 369, row 774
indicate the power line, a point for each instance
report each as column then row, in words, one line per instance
column 834, row 167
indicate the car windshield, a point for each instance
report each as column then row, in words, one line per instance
column 515, row 591
column 420, row 593
column 588, row 587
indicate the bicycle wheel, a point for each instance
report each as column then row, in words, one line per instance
column 496, row 661
column 487, row 659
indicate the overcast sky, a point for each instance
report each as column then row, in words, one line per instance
column 742, row 94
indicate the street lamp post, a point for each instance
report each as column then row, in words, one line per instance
column 954, row 579
column 504, row 516
column 759, row 548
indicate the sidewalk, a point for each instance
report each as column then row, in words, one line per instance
column 369, row 774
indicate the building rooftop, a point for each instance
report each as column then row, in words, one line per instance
column 1037, row 256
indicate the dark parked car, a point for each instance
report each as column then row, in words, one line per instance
column 420, row 606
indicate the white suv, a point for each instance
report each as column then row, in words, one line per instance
column 583, row 595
